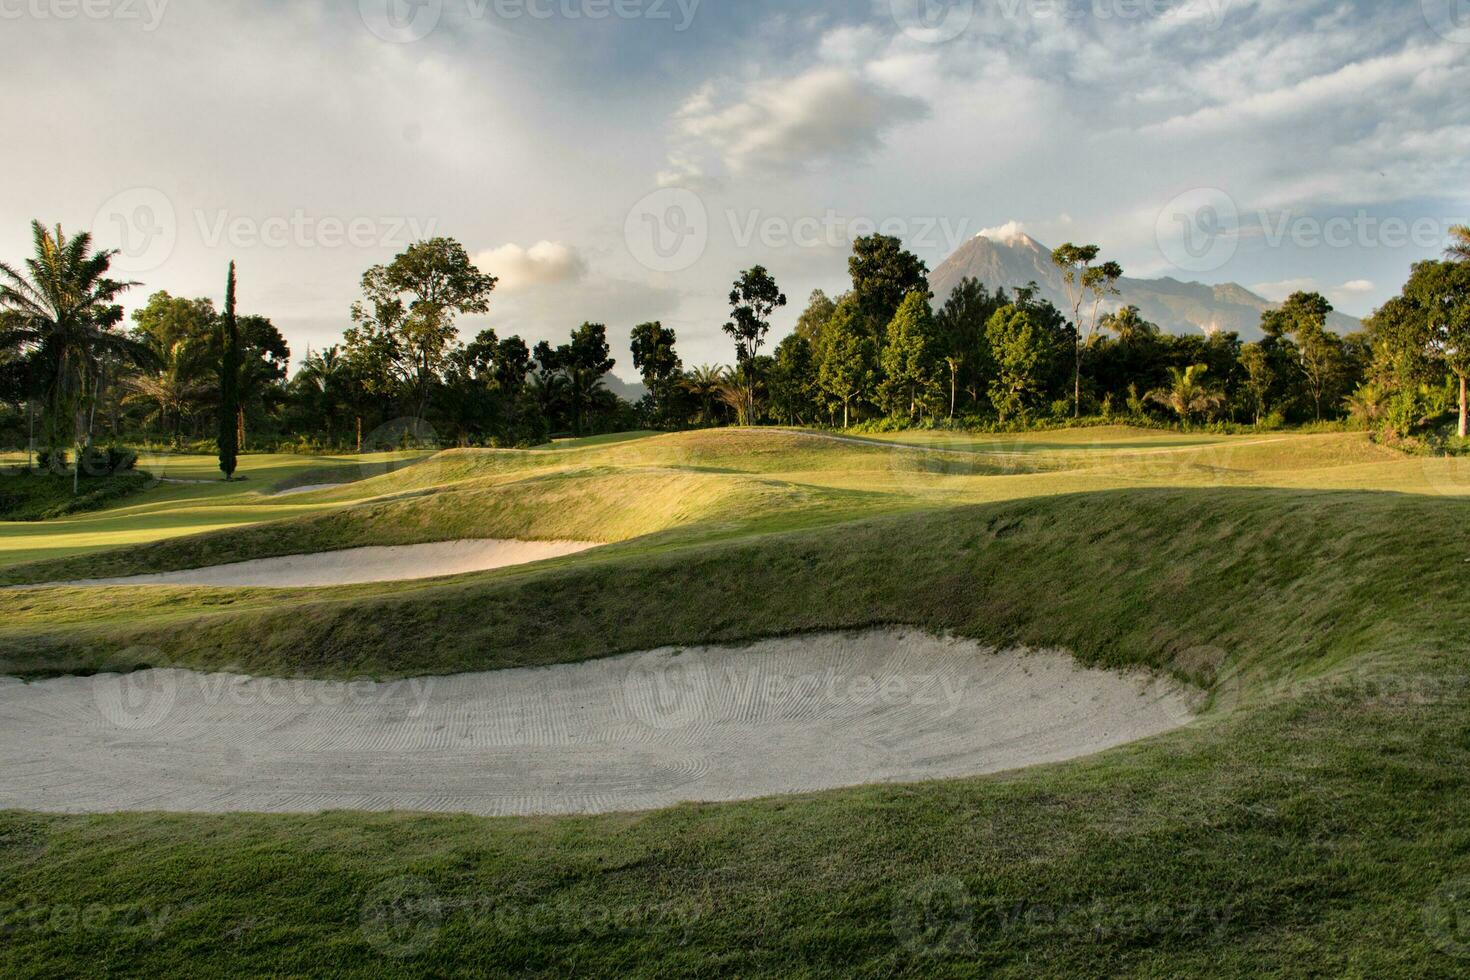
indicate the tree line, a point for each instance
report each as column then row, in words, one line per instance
column 878, row 354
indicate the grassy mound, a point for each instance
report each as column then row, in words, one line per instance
column 584, row 505
column 48, row 496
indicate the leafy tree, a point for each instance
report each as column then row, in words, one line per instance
column 909, row 364
column 178, row 333
column 793, row 380
column 580, row 367
column 1441, row 290
column 961, row 341
column 883, row 273
column 1022, row 348
column 655, row 359
column 1258, row 378
column 819, row 310
column 1187, row 394
column 410, row 305
column 229, row 389
column 1304, row 317
column 63, row 310
column 264, row 360
column 1083, row 279
column 754, row 298
column 844, row 370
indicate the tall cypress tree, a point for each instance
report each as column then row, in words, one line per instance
column 229, row 383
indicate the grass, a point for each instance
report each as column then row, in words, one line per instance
column 28, row 496
column 203, row 502
column 1314, row 821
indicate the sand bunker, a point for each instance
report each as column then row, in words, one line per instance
column 630, row 733
column 359, row 565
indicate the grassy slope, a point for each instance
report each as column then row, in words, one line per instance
column 1306, row 825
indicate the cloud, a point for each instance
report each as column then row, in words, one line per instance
column 1420, row 66
column 543, row 264
column 783, row 125
column 1347, row 293
column 1008, row 232
column 1277, row 292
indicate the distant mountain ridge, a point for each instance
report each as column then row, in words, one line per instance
column 1016, row 259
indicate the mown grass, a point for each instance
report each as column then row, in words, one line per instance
column 1314, row 821
column 202, row 502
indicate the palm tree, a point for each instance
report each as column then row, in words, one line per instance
column 583, row 386
column 1187, row 395
column 168, row 392
column 1368, row 404
column 704, row 383
column 64, row 311
column 733, row 393
column 1129, row 325
column 328, row 376
column 1459, row 249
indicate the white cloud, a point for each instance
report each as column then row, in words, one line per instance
column 787, row 124
column 1356, row 286
column 1008, row 232
column 1343, row 87
column 543, row 264
column 1277, row 292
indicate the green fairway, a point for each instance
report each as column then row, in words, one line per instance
column 188, row 497
column 1311, row 821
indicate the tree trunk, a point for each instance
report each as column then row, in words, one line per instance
column 1464, row 406
column 844, row 413
column 359, row 435
column 954, row 377
column 240, row 429
column 1077, row 380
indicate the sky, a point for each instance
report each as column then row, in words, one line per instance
column 621, row 161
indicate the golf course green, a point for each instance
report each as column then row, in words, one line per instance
column 1309, row 589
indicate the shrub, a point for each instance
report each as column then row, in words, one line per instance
column 55, row 462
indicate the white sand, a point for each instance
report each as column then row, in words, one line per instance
column 358, row 565
column 630, row 733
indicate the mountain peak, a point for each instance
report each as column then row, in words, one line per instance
column 1006, row 256
column 1011, row 233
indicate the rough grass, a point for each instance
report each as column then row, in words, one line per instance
column 1313, row 822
